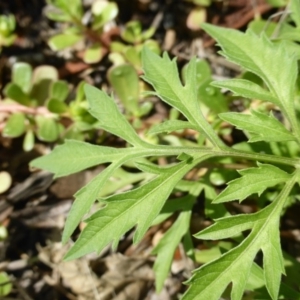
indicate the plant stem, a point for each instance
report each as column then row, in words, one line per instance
column 225, row 152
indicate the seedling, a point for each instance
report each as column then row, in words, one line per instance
column 103, row 12
column 135, row 39
column 36, row 102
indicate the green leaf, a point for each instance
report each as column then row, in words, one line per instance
column 277, row 3
column 93, row 54
column 295, row 15
column 133, row 56
column 5, row 284
column 57, row 16
column 173, row 205
column 28, row 142
column 125, row 82
column 61, row 160
column 162, row 74
column 62, row 41
column 212, row 211
column 247, row 89
column 15, row 125
column 42, row 73
column 133, row 32
column 170, row 126
column 103, row 13
column 262, row 127
column 209, row 281
column 103, row 108
column 43, row 78
column 5, row 183
column 56, row 106
column 21, row 76
column 48, row 129
column 14, row 92
column 253, row 180
column 123, row 211
column 166, row 247
column 147, row 34
column 260, row 56
column 84, row 199
column 74, row 11
column 59, row 90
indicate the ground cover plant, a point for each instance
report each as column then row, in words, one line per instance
column 35, row 101
column 269, row 167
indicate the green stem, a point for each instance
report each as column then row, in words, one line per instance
column 225, row 152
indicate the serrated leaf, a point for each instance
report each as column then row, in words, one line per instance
column 170, row 126
column 253, row 180
column 260, row 56
column 209, row 281
column 61, row 160
column 104, row 109
column 122, row 212
column 263, row 127
column 166, row 247
column 84, row 199
column 162, row 74
column 125, row 82
column 246, row 89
